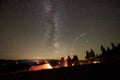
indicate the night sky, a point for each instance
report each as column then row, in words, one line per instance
column 50, row 29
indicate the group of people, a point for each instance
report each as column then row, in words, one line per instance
column 69, row 61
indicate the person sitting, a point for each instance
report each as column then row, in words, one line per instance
column 62, row 62
column 75, row 60
column 69, row 61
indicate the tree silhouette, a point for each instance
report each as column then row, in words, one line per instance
column 107, row 55
column 118, row 45
column 92, row 54
column 118, row 48
column 108, row 49
column 87, row 55
column 113, row 46
column 103, row 50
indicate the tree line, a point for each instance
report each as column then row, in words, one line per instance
column 106, row 55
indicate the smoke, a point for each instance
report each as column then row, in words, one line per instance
column 75, row 40
column 52, row 30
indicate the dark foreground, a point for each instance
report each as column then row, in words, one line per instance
column 82, row 72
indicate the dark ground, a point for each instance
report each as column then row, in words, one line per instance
column 82, row 72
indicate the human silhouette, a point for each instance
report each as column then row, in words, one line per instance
column 62, row 62
column 69, row 61
column 75, row 60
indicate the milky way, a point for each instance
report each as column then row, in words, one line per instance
column 52, row 30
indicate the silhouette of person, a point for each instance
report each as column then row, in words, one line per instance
column 75, row 60
column 62, row 62
column 69, row 61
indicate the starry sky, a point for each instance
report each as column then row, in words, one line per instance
column 50, row 29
